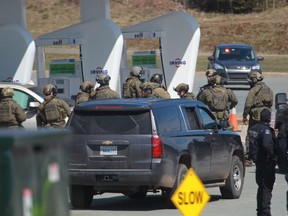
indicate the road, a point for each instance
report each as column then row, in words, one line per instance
column 153, row 205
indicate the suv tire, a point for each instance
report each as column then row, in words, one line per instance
column 235, row 180
column 140, row 194
column 81, row 196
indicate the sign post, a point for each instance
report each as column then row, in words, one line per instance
column 191, row 196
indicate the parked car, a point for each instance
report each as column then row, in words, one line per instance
column 234, row 62
column 132, row 146
column 29, row 98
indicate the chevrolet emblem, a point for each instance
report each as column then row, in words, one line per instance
column 107, row 142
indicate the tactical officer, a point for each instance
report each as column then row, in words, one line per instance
column 131, row 87
column 51, row 113
column 259, row 97
column 104, row 91
column 159, row 91
column 182, row 91
column 11, row 114
column 210, row 74
column 87, row 92
column 262, row 141
column 146, row 90
column 219, row 100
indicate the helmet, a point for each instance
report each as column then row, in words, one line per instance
column 86, row 86
column 181, row 87
column 103, row 79
column 265, row 116
column 255, row 76
column 157, row 78
column 7, row 92
column 50, row 88
column 136, row 71
column 211, row 72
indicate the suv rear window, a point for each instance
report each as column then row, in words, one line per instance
column 108, row 122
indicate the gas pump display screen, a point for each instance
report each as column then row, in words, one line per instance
column 58, row 67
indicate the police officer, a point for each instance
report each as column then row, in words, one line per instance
column 259, row 97
column 159, row 91
column 52, row 112
column 131, row 87
column 219, row 100
column 182, row 91
column 262, row 142
column 146, row 90
column 104, row 91
column 11, row 114
column 210, row 74
column 87, row 92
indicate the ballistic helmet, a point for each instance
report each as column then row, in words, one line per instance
column 50, row 88
column 211, row 72
column 86, row 86
column 136, row 71
column 255, row 76
column 181, row 87
column 103, row 79
column 7, row 92
column 157, row 78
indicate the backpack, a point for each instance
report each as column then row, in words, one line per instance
column 5, row 112
column 265, row 95
column 127, row 89
column 51, row 111
column 219, row 99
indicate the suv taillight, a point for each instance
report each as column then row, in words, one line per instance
column 157, row 147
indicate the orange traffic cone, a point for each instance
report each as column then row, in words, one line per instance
column 233, row 119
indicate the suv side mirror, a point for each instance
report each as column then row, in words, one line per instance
column 34, row 104
column 211, row 58
column 280, row 101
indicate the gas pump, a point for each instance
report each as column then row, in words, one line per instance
column 178, row 37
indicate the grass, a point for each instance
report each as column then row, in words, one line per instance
column 266, row 31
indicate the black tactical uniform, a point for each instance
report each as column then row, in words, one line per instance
column 262, row 152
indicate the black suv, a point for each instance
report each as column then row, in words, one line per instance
column 132, row 146
column 234, row 62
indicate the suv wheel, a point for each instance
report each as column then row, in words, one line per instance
column 235, row 180
column 168, row 192
column 81, row 196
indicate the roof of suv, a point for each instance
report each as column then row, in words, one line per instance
column 124, row 103
column 234, row 45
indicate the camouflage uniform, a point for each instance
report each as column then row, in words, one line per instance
column 253, row 106
column 159, row 91
column 87, row 92
column 104, row 91
column 52, row 112
column 182, row 91
column 229, row 101
column 210, row 73
column 131, row 87
column 14, row 116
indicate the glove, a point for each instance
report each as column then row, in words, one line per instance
column 245, row 121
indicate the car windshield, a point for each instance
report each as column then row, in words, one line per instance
column 107, row 122
column 235, row 54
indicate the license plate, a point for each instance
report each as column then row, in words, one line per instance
column 108, row 150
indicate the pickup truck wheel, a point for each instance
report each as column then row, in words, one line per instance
column 235, row 180
column 81, row 196
column 140, row 194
